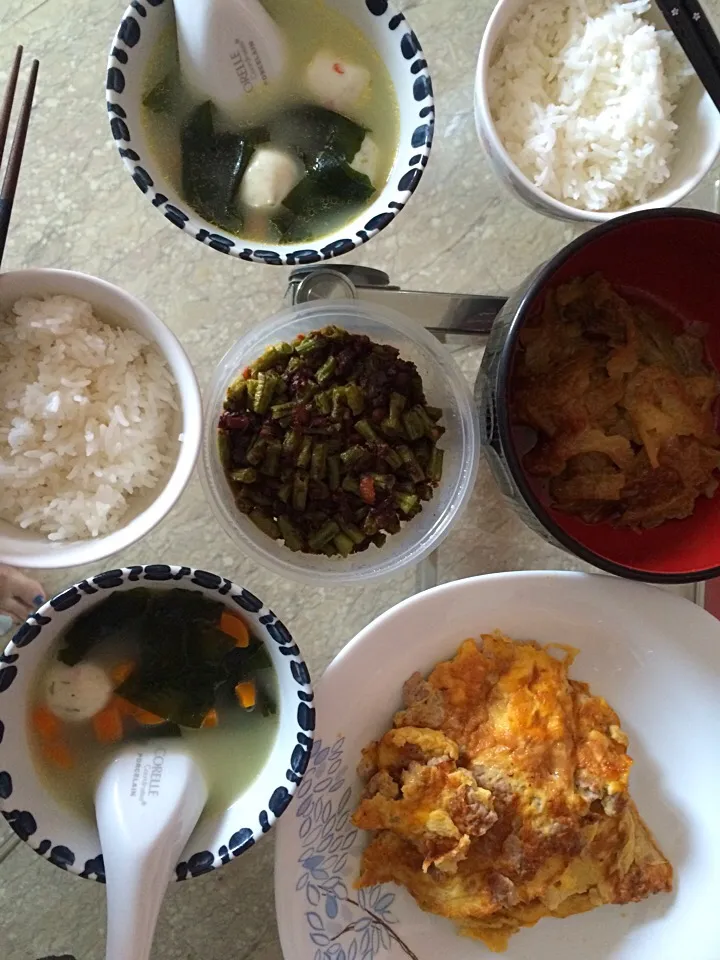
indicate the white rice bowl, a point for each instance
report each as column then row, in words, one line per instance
column 582, row 95
column 88, row 415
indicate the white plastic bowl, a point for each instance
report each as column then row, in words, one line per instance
column 698, row 137
column 24, row 548
column 445, row 387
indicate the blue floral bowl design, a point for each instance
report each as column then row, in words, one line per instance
column 71, row 842
column 145, row 20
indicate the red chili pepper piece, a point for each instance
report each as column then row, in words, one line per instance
column 367, row 489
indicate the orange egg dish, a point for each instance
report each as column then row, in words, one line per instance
column 500, row 795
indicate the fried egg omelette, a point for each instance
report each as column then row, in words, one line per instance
column 500, row 795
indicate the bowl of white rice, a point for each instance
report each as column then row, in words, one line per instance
column 589, row 108
column 100, row 419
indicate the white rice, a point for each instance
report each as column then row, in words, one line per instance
column 582, row 95
column 86, row 418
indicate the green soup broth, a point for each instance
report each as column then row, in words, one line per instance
column 177, row 665
column 205, row 156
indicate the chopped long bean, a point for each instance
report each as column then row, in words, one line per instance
column 391, row 457
column 352, row 531
column 292, row 443
column 324, row 535
column 244, row 475
column 318, row 463
column 237, row 392
column 344, row 544
column 267, row 382
column 271, row 464
column 353, row 457
column 329, row 443
column 280, row 410
column 272, row 357
column 435, row 467
column 355, row 399
column 305, row 454
column 256, row 454
column 366, row 431
column 333, row 468
column 409, row 503
column 323, row 402
column 300, row 491
column 414, row 428
column 326, row 370
column 290, row 535
column 411, row 464
column 265, row 523
column 339, row 399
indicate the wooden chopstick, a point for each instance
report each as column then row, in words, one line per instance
column 693, row 31
column 8, row 100
column 12, row 173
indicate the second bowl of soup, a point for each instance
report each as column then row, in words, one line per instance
column 145, row 655
column 317, row 163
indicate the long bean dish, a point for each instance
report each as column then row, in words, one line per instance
column 329, row 444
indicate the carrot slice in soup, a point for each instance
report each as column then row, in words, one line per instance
column 108, row 725
column 121, row 672
column 211, row 718
column 126, row 708
column 245, row 693
column 46, row 723
column 145, row 717
column 234, row 627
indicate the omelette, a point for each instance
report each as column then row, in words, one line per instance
column 500, row 795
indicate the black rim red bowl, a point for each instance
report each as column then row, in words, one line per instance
column 670, row 259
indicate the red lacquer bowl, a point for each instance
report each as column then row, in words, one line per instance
column 669, row 259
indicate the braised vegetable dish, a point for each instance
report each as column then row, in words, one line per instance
column 329, row 444
column 622, row 406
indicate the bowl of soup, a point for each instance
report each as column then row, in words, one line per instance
column 317, row 163
column 145, row 657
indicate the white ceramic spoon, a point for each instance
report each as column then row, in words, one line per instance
column 231, row 52
column 147, row 804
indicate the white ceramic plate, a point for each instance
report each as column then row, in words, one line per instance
column 654, row 656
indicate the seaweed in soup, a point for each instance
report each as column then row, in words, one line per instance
column 311, row 131
column 214, row 162
column 182, row 656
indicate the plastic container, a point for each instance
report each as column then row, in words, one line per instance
column 445, row 387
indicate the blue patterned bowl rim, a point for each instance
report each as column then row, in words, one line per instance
column 72, row 843
column 417, row 123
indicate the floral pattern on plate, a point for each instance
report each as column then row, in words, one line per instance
column 342, row 924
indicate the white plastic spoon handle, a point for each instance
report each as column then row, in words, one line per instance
column 147, row 804
column 229, row 50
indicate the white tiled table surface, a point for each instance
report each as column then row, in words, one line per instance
column 77, row 208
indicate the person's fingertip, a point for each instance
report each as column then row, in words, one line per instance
column 39, row 600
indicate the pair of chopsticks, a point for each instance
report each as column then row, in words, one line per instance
column 693, row 31
column 12, row 173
